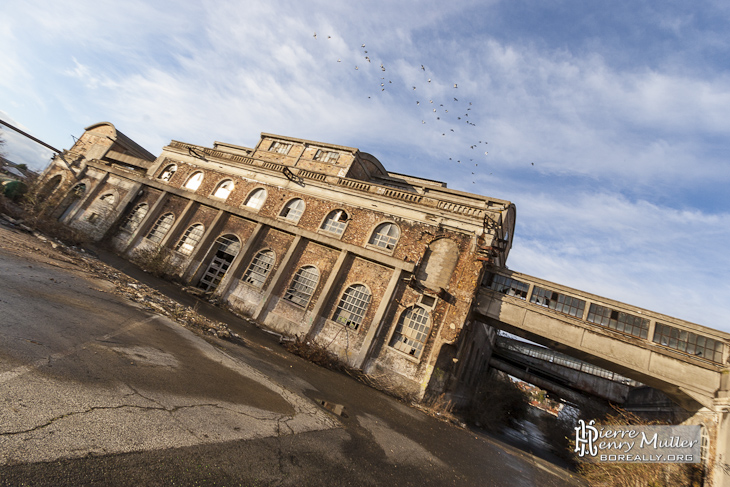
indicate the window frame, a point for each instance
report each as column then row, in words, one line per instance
column 253, row 194
column 220, row 185
column 356, row 303
column 157, row 225
column 375, row 234
column 397, row 336
column 256, row 264
column 293, row 293
column 289, row 210
column 167, row 169
column 125, row 224
column 191, row 177
column 343, row 223
column 330, row 157
column 279, row 147
column 186, row 236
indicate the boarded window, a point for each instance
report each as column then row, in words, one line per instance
column 438, row 263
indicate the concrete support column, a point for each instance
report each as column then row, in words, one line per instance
column 211, row 233
column 378, row 319
column 283, row 266
column 326, row 294
column 243, row 256
column 122, row 206
column 90, row 195
column 149, row 219
column 180, row 222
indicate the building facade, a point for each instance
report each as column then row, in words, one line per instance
column 307, row 238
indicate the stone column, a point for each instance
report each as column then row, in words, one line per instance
column 377, row 323
column 205, row 242
column 149, row 219
column 283, row 265
column 181, row 221
column 90, row 195
column 326, row 294
column 244, row 255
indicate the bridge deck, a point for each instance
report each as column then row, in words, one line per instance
column 683, row 359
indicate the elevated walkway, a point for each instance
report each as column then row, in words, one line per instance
column 686, row 361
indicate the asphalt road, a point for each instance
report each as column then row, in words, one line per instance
column 97, row 390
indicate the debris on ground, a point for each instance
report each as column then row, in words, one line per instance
column 53, row 252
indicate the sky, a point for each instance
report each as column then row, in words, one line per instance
column 606, row 123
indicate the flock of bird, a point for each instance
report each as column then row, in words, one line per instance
column 436, row 111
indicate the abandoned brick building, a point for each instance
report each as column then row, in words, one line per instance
column 307, row 238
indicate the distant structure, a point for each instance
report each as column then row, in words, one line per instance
column 309, row 238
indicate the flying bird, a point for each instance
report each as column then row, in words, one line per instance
column 423, row 67
column 455, row 85
column 315, row 35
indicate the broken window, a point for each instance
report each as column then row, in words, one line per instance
column 411, row 332
column 326, row 156
column 256, row 199
column 280, row 147
column 259, row 269
column 293, row 210
column 558, row 301
column 353, row 305
column 385, row 236
column 688, row 342
column 161, row 227
column 618, row 320
column 506, row 285
column 193, row 182
column 303, row 285
column 168, row 172
column 135, row 217
column 190, row 239
column 335, row 222
column 223, row 189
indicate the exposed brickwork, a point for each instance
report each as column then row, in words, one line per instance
column 439, row 275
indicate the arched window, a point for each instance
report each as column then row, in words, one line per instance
column 259, row 269
column 293, row 210
column 411, row 332
column 135, row 217
column 303, row 285
column 161, row 227
column 168, row 172
column 108, row 199
column 256, row 199
column 335, row 222
column 194, row 181
column 353, row 305
column 386, row 235
column 190, row 239
column 223, row 189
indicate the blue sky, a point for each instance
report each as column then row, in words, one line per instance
column 606, row 123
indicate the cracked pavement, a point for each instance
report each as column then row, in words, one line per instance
column 96, row 389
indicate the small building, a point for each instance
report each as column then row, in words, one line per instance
column 308, row 238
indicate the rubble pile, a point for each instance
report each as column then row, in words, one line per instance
column 125, row 286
